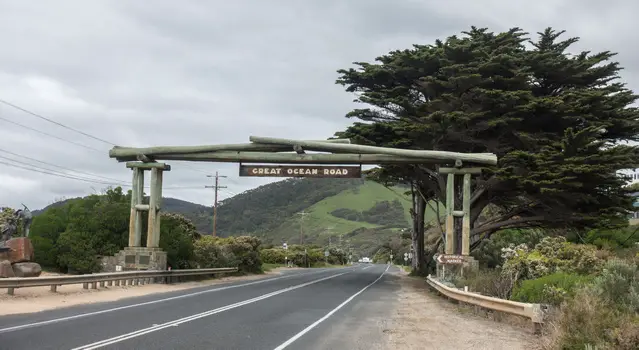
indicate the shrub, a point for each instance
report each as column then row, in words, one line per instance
column 246, row 249
column 210, row 254
column 584, row 320
column 273, row 256
column 618, row 285
column 495, row 283
column 550, row 289
column 489, row 251
column 550, row 255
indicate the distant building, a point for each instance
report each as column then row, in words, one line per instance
column 634, row 178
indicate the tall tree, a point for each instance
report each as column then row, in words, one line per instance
column 557, row 121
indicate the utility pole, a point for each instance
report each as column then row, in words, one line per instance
column 303, row 214
column 216, row 188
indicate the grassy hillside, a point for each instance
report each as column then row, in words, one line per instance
column 364, row 213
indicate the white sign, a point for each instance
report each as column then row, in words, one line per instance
column 285, row 246
column 326, row 253
column 405, row 258
column 118, row 268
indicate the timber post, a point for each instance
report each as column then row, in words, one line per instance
column 138, row 206
column 451, row 245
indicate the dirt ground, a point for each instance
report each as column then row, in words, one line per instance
column 424, row 320
column 35, row 299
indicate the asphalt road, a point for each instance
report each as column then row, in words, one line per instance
column 306, row 309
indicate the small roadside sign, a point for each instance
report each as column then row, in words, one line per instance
column 285, row 245
column 450, row 259
column 326, row 253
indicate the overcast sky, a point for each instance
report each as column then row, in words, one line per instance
column 143, row 73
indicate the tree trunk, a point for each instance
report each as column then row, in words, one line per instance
column 417, row 236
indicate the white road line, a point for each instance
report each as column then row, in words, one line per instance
column 177, row 322
column 68, row 318
column 309, row 328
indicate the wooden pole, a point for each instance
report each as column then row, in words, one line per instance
column 450, row 220
column 118, row 151
column 134, row 201
column 289, row 158
column 158, row 208
column 480, row 158
column 138, row 213
column 465, row 248
column 217, row 186
column 153, row 213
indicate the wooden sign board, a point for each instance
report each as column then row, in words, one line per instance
column 317, row 171
column 450, row 259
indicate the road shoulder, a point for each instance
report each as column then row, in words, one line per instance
column 424, row 320
column 36, row 299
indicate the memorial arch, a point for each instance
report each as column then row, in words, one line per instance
column 276, row 157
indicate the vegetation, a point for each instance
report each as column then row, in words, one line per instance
column 548, row 223
column 72, row 236
column 556, row 121
column 364, row 213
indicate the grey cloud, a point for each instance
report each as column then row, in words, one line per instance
column 206, row 72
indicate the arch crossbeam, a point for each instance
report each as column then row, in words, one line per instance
column 285, row 151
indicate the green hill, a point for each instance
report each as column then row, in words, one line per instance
column 359, row 213
column 364, row 213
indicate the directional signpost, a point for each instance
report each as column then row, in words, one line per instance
column 449, row 259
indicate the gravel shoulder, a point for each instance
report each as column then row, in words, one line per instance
column 423, row 320
column 36, row 299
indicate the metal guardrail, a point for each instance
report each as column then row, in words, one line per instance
column 532, row 311
column 118, row 278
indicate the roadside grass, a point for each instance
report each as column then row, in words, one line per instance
column 270, row 267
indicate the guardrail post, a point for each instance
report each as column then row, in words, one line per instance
column 85, row 285
column 94, row 285
column 109, row 283
column 102, row 284
column 54, row 288
column 537, row 318
column 10, row 291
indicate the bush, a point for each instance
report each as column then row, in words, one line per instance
column 495, row 283
column 209, row 254
column 176, row 238
column 273, row 256
column 587, row 320
column 550, row 255
column 489, row 251
column 551, row 289
column 618, row 285
column 604, row 314
column 242, row 251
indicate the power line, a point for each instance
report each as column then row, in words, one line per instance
column 47, row 134
column 54, row 122
column 61, row 167
column 69, row 128
column 55, row 174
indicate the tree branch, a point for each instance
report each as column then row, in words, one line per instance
column 506, row 224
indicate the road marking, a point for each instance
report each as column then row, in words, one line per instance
column 309, row 328
column 177, row 322
column 68, row 318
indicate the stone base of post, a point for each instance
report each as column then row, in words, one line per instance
column 136, row 258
